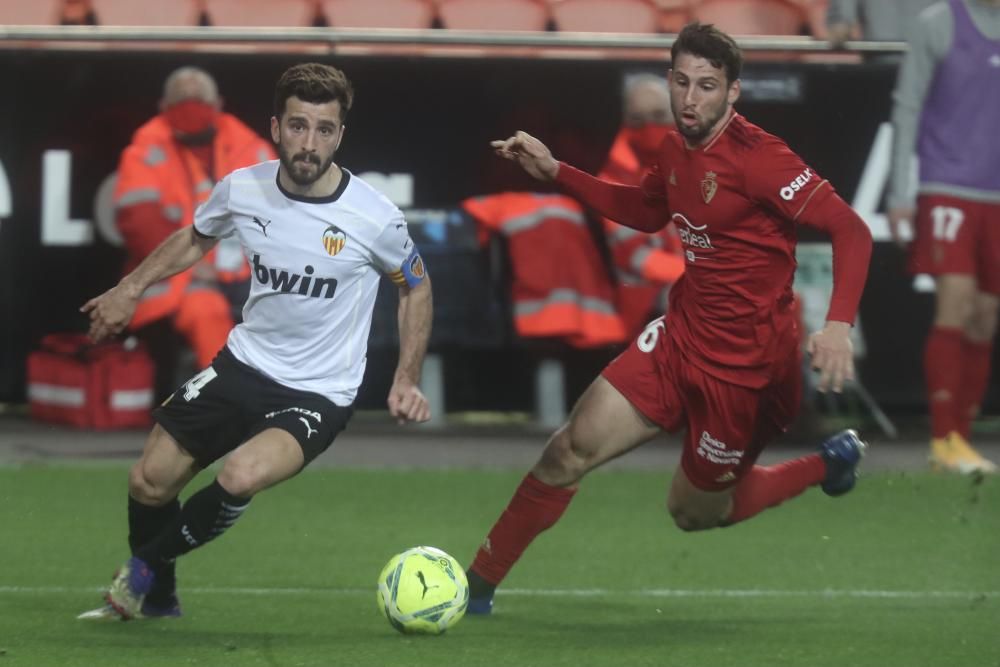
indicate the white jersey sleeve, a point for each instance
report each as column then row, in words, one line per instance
column 213, row 218
column 395, row 254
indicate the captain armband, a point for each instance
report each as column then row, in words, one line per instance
column 412, row 272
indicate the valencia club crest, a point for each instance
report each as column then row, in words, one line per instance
column 334, row 240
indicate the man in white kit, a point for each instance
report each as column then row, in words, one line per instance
column 318, row 239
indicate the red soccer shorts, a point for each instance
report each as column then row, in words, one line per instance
column 956, row 235
column 726, row 425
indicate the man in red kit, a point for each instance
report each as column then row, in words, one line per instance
column 723, row 365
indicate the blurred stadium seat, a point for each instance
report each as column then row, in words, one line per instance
column 137, row 12
column 493, row 14
column 674, row 14
column 752, row 17
column 606, row 16
column 35, row 12
column 815, row 12
column 288, row 13
column 381, row 14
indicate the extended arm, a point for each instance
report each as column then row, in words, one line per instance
column 110, row 312
column 625, row 204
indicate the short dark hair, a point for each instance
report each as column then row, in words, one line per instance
column 314, row 83
column 706, row 41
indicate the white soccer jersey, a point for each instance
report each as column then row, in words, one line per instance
column 316, row 264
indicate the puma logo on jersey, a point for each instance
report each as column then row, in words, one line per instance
column 289, row 283
column 260, row 223
column 309, row 429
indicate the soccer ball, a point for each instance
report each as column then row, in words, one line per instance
column 423, row 591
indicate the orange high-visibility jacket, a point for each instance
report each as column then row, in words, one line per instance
column 560, row 286
column 162, row 176
column 645, row 264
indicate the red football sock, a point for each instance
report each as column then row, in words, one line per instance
column 976, row 358
column 767, row 486
column 943, row 372
column 534, row 507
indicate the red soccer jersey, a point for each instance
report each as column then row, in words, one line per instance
column 735, row 202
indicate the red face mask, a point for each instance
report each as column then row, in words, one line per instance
column 191, row 116
column 646, row 140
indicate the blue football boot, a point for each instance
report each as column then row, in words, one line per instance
column 841, row 452
column 480, row 595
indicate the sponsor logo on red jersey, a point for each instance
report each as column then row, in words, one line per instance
column 788, row 192
column 693, row 236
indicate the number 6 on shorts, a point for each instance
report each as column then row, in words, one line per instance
column 649, row 336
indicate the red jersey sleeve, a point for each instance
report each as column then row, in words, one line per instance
column 781, row 182
column 653, row 187
column 642, row 207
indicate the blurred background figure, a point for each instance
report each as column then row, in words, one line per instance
column 645, row 265
column 77, row 12
column 170, row 167
column 872, row 20
column 947, row 103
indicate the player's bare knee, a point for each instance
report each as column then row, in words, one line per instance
column 690, row 523
column 982, row 326
column 240, row 478
column 144, row 489
column 561, row 464
column 690, row 520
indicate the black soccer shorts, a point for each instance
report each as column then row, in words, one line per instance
column 228, row 403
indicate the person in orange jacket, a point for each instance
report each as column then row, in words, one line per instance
column 169, row 169
column 646, row 265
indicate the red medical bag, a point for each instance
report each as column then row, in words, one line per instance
column 101, row 386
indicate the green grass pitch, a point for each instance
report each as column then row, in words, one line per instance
column 903, row 571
